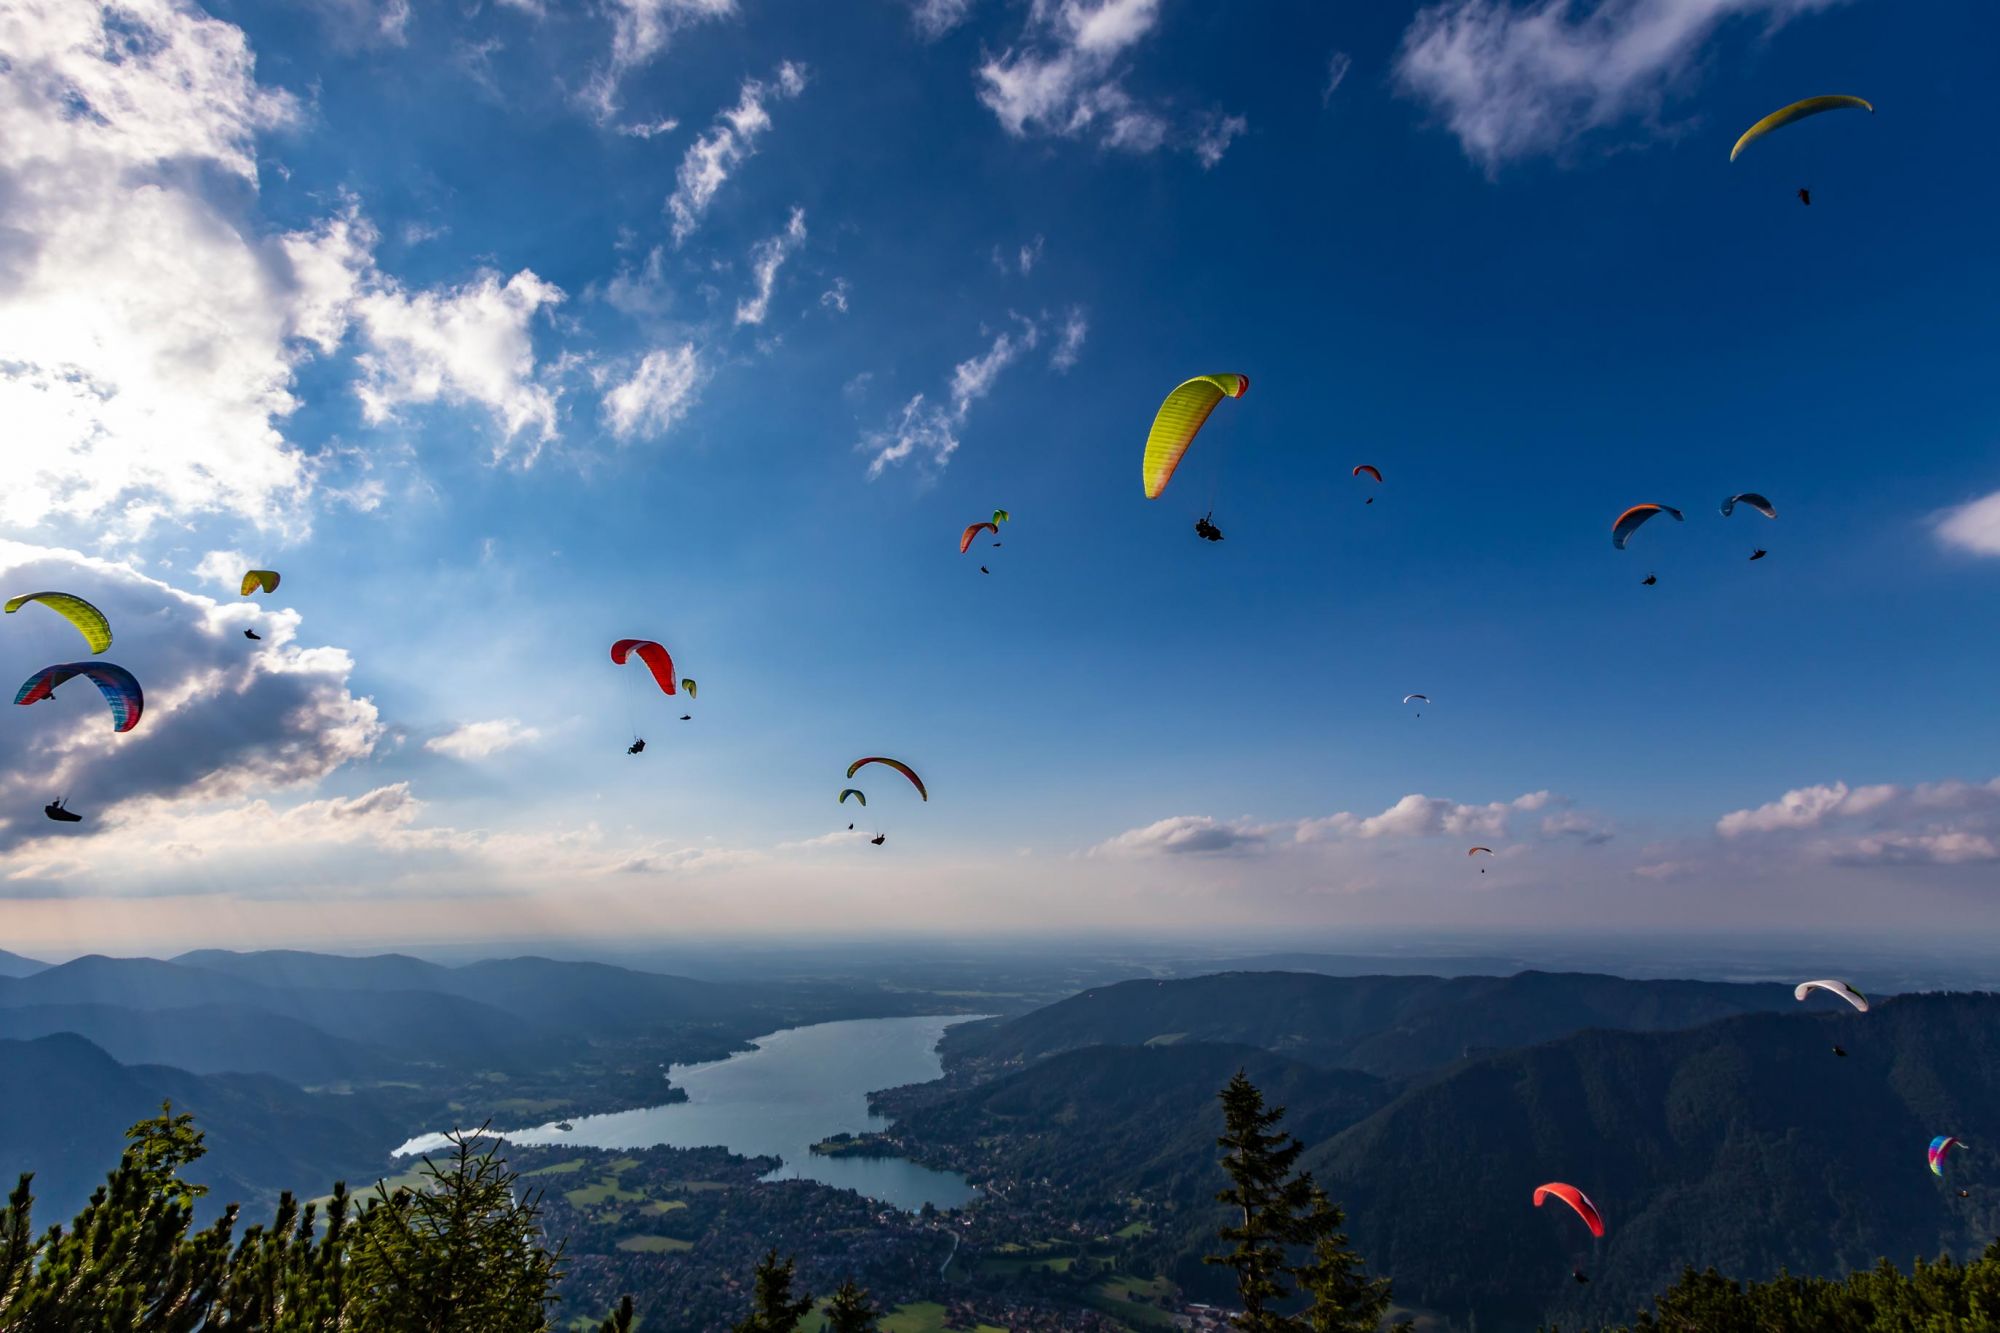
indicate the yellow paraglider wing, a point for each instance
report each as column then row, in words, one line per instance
column 89, row 621
column 267, row 579
column 1178, row 421
column 1785, row 115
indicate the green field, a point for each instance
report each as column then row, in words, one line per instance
column 654, row 1245
column 606, row 1190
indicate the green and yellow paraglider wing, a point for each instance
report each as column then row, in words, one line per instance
column 89, row 621
column 1001, row 516
column 1785, row 115
column 896, row 764
column 855, row 792
column 267, row 579
column 688, row 685
column 1178, row 421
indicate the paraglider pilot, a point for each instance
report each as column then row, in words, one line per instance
column 1206, row 530
column 638, row 746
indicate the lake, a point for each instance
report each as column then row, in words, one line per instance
column 796, row 1087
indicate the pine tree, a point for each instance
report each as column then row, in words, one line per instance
column 773, row 1307
column 850, row 1310
column 1270, row 1200
column 1344, row 1298
column 464, row 1253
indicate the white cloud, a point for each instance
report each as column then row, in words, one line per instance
column 712, row 158
column 223, row 716
column 1511, row 81
column 1419, row 816
column 657, row 394
column 1973, row 526
column 1931, row 823
column 928, row 431
column 834, row 298
column 470, row 344
column 1337, row 66
column 766, row 258
column 1215, row 136
column 1064, row 80
column 1185, row 835
column 149, row 335
column 640, row 30
column 1069, row 347
column 648, row 129
column 362, row 23
column 480, row 740
column 225, row 569
column 935, row 18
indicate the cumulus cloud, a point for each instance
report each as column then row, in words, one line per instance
column 766, row 258
column 1513, row 80
column 1931, row 823
column 1215, row 136
column 1419, row 816
column 471, row 344
column 1973, row 527
column 1064, row 80
column 149, row 335
column 648, row 129
column 929, row 431
column 1414, row 816
column 1185, row 835
column 656, row 395
column 363, row 23
column 640, row 30
column 714, row 157
column 480, row 740
column 221, row 719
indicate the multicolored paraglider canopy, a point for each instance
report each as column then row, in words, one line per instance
column 1178, row 421
column 267, row 579
column 1630, row 521
column 855, row 792
column 652, row 654
column 89, row 621
column 973, row 530
column 1941, row 1145
column 896, row 764
column 121, row 691
column 1576, row 1199
column 1785, row 115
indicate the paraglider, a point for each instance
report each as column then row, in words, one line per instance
column 267, row 579
column 1474, row 851
column 54, row 810
column 88, row 620
column 879, row 839
column 1629, row 522
column 1832, row 987
column 1752, row 499
column 652, row 654
column 253, row 634
column 896, row 764
column 973, row 530
column 121, row 692
column 687, row 717
column 1759, row 553
column 638, row 746
column 1840, row 1051
column 688, row 685
column 984, row 570
column 1649, row 580
column 1001, row 516
column 1578, row 1274
column 1425, row 697
column 1941, row 1145
column 1576, row 1199
column 1371, row 470
column 855, row 792
column 1783, row 116
column 1206, row 530
column 1805, row 196
column 1178, row 421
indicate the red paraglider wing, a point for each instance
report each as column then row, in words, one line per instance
column 1576, row 1199
column 965, row 540
column 652, row 654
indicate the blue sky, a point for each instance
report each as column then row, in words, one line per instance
column 507, row 330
